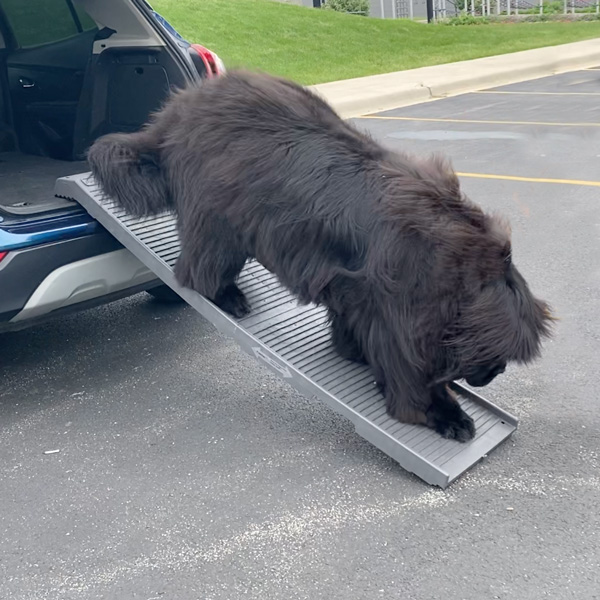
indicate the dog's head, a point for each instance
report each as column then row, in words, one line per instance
column 499, row 322
column 503, row 323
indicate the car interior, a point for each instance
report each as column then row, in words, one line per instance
column 70, row 71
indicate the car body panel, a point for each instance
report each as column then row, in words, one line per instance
column 84, row 280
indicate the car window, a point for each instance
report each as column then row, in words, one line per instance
column 36, row 22
column 85, row 20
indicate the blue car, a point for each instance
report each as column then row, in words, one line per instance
column 71, row 71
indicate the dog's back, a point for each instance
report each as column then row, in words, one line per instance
column 280, row 166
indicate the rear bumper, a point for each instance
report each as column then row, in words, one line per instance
column 67, row 275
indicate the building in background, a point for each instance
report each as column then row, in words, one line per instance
column 398, row 9
column 382, row 9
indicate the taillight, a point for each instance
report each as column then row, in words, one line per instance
column 2, row 255
column 212, row 64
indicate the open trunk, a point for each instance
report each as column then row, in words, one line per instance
column 89, row 69
column 27, row 183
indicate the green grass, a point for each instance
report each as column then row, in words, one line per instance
column 315, row 46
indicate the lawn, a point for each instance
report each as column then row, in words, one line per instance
column 315, row 46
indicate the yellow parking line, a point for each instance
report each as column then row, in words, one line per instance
column 531, row 179
column 541, row 93
column 483, row 122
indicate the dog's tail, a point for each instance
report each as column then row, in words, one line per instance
column 127, row 166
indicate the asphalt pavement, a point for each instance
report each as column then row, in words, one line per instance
column 186, row 471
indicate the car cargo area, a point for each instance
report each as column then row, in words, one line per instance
column 65, row 83
column 27, row 183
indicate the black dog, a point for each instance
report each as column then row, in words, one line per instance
column 418, row 281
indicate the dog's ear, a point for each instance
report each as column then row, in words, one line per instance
column 499, row 232
column 504, row 322
column 533, row 315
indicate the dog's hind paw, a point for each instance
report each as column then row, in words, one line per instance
column 459, row 426
column 233, row 301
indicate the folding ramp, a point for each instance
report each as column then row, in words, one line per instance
column 294, row 342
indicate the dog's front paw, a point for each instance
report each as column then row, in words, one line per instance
column 458, row 426
column 233, row 301
column 381, row 386
column 352, row 353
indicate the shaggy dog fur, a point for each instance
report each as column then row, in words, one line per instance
column 418, row 281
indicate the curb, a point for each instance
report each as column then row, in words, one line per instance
column 375, row 93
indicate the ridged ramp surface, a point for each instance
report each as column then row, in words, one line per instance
column 294, row 342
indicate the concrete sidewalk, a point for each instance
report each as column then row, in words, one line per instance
column 354, row 97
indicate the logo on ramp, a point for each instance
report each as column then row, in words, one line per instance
column 262, row 355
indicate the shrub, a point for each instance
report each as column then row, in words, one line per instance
column 360, row 7
column 466, row 19
column 556, row 7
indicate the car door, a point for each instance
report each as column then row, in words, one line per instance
column 45, row 71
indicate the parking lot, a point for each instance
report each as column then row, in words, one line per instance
column 186, row 471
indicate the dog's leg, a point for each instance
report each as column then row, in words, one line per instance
column 447, row 417
column 409, row 414
column 408, row 397
column 212, row 257
column 403, row 399
column 343, row 339
column 402, row 385
column 232, row 300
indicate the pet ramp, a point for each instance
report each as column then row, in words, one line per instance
column 294, row 342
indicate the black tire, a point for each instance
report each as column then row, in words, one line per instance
column 163, row 293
